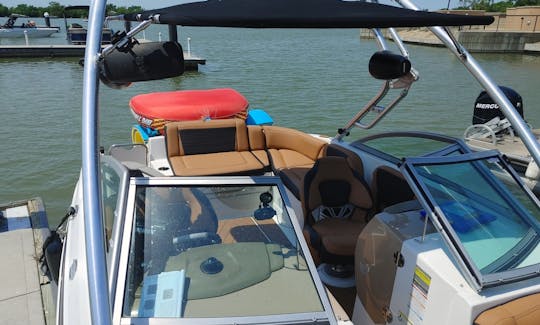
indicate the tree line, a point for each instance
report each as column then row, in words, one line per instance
column 55, row 9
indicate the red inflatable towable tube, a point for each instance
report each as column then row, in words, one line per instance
column 154, row 110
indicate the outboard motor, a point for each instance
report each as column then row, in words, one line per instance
column 485, row 109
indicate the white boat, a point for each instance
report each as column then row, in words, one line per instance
column 29, row 29
column 237, row 221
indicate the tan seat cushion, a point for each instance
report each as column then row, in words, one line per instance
column 521, row 311
column 291, row 167
column 292, row 153
column 285, row 158
column 339, row 236
column 222, row 163
column 262, row 157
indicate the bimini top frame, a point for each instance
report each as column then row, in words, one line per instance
column 100, row 308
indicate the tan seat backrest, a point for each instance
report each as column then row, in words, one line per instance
column 353, row 159
column 284, row 138
column 256, row 137
column 206, row 136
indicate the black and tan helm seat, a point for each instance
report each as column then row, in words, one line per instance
column 336, row 202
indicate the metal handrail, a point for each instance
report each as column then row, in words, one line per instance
column 404, row 83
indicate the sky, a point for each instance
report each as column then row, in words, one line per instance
column 149, row 4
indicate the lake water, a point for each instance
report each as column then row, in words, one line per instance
column 314, row 80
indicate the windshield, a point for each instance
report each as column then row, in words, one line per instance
column 394, row 146
column 494, row 219
column 215, row 251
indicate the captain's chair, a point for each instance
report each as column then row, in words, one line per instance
column 336, row 204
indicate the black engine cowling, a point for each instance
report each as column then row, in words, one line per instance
column 485, row 109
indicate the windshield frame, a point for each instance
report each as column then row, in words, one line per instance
column 324, row 317
column 448, row 144
column 465, row 263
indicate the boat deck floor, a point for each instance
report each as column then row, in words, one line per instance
column 24, row 291
column 513, row 147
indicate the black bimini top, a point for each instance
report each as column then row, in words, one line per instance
column 301, row 14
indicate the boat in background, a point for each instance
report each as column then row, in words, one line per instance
column 76, row 33
column 29, row 29
column 235, row 220
column 491, row 130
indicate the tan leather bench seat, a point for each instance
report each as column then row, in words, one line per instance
column 222, row 163
column 292, row 154
column 213, row 147
column 229, row 147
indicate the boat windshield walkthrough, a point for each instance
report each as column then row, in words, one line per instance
column 215, row 215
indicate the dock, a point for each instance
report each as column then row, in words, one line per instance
column 26, row 296
column 58, row 51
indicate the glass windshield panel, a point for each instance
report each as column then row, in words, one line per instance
column 408, row 146
column 497, row 229
column 215, row 251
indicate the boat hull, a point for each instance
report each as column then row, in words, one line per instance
column 30, row 32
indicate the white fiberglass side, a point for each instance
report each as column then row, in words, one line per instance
column 430, row 289
column 73, row 305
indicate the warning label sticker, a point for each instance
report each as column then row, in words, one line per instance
column 419, row 294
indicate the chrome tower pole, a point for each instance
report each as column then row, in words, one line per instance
column 488, row 84
column 98, row 291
